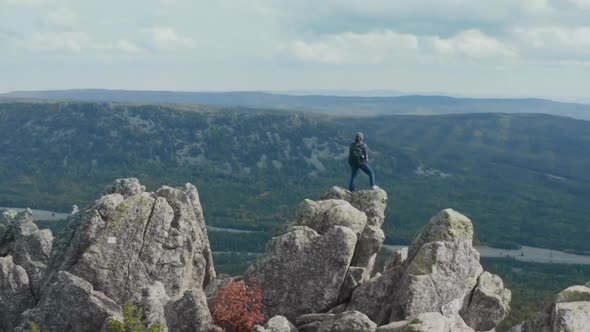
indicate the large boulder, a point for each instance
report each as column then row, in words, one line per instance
column 303, row 271
column 437, row 274
column 130, row 238
column 569, row 312
column 24, row 254
column 373, row 203
column 71, row 304
column 32, row 252
column 15, row 293
column 347, row 321
column 276, row 324
column 489, row 303
column 189, row 312
column 150, row 248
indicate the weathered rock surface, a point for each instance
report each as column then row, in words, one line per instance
column 24, row 253
column 15, row 294
column 373, row 203
column 311, row 268
column 303, row 271
column 121, row 244
column 438, row 274
column 570, row 312
column 71, row 304
column 489, row 303
column 130, row 245
column 188, row 313
column 276, row 324
column 342, row 322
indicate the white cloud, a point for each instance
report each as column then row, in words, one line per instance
column 348, row 47
column 53, row 41
column 73, row 42
column 127, row 46
column 379, row 47
column 62, row 18
column 471, row 43
column 582, row 4
column 168, row 38
column 557, row 39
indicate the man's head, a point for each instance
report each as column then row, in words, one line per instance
column 359, row 137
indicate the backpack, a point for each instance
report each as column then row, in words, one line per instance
column 356, row 157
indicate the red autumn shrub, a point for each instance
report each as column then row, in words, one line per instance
column 238, row 306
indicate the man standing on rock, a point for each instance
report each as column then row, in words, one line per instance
column 358, row 159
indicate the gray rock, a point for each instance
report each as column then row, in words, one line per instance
column 322, row 215
column 71, row 304
column 153, row 302
column 437, row 274
column 303, row 271
column 374, row 297
column 129, row 239
column 447, row 225
column 440, row 272
column 366, row 250
column 373, row 203
column 15, row 293
column 489, row 303
column 32, row 252
column 354, row 277
column 188, row 313
column 574, row 294
column 14, row 225
column 393, row 326
column 28, row 246
column 125, row 187
column 571, row 316
column 428, row 322
column 348, row 321
column 277, row 324
column 570, row 312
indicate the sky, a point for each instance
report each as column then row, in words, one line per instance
column 536, row 48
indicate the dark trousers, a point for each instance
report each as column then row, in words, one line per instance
column 365, row 168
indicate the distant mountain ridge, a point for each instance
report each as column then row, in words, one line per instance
column 336, row 105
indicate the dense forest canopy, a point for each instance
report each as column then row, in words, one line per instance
column 521, row 178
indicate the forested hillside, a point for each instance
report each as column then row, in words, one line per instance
column 521, row 178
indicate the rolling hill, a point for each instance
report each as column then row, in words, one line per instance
column 521, row 178
column 338, row 105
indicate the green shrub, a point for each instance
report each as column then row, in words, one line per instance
column 35, row 327
column 133, row 321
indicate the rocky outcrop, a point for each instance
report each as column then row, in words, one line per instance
column 71, row 304
column 489, row 297
column 189, row 312
column 150, row 248
column 310, row 267
column 276, row 324
column 15, row 293
column 373, row 203
column 29, row 247
column 122, row 243
column 569, row 312
column 347, row 321
column 439, row 273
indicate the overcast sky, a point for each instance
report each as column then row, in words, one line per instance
column 535, row 48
